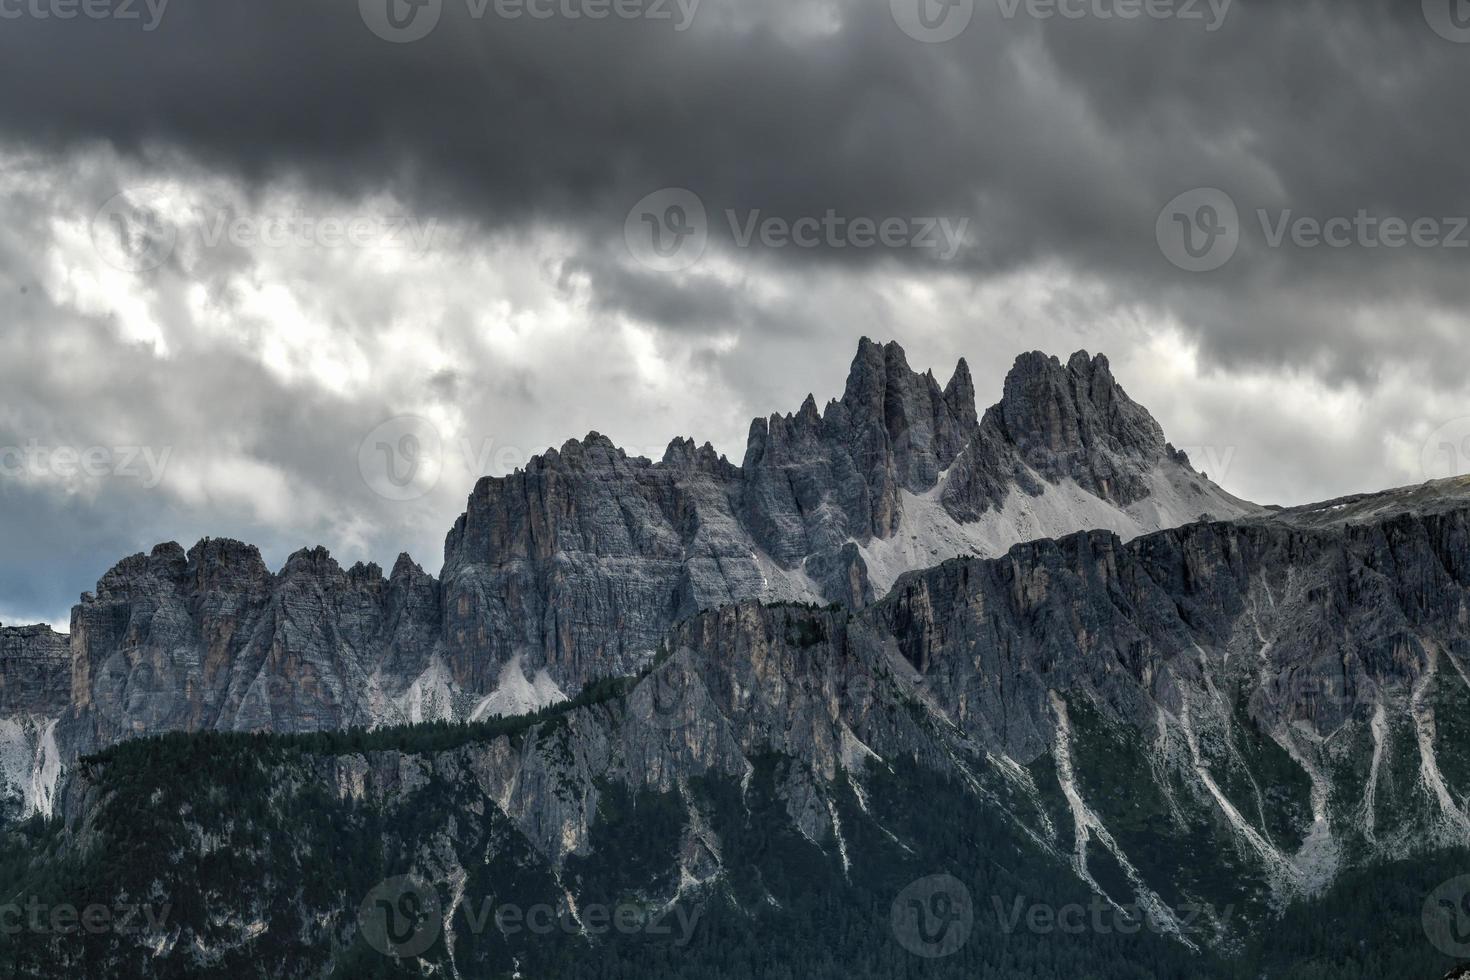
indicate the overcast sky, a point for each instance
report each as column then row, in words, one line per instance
column 247, row 248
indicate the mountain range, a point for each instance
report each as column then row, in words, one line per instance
column 903, row 652
column 574, row 568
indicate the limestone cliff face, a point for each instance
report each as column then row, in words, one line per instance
column 580, row 561
column 35, row 670
column 1290, row 692
column 1312, row 628
column 211, row 639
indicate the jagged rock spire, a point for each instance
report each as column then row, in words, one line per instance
column 1073, row 409
column 959, row 396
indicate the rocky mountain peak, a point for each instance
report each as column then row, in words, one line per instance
column 405, row 567
column 314, row 563
column 170, row 552
column 1071, row 408
column 685, row 455
column 366, row 575
column 959, row 395
column 594, row 450
column 874, row 369
column 219, row 563
column 1086, row 364
column 893, row 417
column 809, row 413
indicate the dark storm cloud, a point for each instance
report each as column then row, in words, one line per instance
column 1059, row 138
column 550, row 118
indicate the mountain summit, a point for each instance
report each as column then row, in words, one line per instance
column 578, row 564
